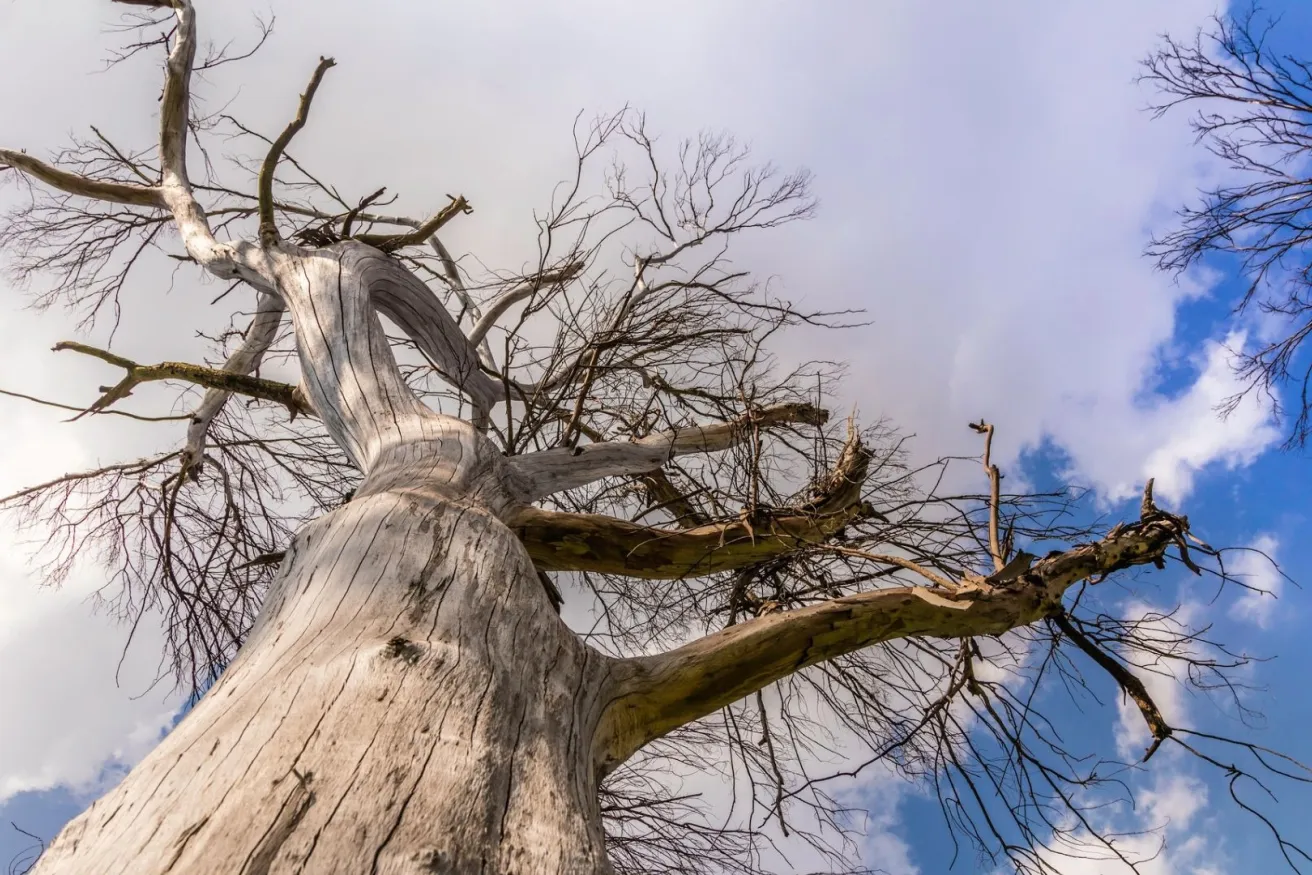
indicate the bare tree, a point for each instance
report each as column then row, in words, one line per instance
column 364, row 572
column 1254, row 112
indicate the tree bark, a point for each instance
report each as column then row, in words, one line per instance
column 408, row 702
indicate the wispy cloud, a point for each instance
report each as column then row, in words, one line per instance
column 1255, row 568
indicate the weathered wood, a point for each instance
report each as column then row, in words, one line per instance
column 129, row 193
column 537, row 475
column 657, row 694
column 245, row 359
column 408, row 702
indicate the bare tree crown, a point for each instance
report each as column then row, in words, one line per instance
column 765, row 575
column 1253, row 111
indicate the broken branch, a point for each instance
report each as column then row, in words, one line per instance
column 1125, row 679
column 393, row 242
column 995, row 492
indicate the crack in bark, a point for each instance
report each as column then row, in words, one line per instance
column 289, row 814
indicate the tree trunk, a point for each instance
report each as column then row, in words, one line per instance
column 408, row 702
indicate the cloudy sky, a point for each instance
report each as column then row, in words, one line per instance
column 987, row 178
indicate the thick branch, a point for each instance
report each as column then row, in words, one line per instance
column 264, row 187
column 514, row 295
column 392, row 242
column 540, row 474
column 593, row 542
column 228, row 261
column 211, row 378
column 244, row 360
column 660, row 693
column 82, row 186
column 402, row 297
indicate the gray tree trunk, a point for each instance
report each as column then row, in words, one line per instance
column 408, row 702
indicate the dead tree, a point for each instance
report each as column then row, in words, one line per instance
column 363, row 571
column 1254, row 113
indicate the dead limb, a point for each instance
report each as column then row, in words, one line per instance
column 507, row 299
column 237, row 260
column 83, row 186
column 264, row 189
column 543, row 473
column 593, row 542
column 211, row 378
column 656, row 694
column 244, row 360
column 995, row 493
column 1125, row 679
column 393, row 242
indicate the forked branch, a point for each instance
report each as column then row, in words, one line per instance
column 594, row 542
column 507, row 299
column 211, row 378
column 540, row 474
column 657, row 694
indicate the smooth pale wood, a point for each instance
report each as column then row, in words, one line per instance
column 537, row 475
column 402, row 297
column 245, row 359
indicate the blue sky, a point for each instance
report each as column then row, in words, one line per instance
column 986, row 182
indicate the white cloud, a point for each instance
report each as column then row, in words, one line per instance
column 1178, row 437
column 1168, row 833
column 66, row 719
column 1174, row 800
column 1256, row 569
column 884, row 844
